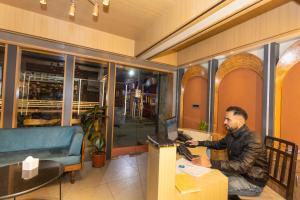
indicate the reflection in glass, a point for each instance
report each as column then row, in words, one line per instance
column 90, row 83
column 40, row 89
column 136, row 105
column 2, row 50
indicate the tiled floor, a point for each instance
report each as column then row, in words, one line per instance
column 123, row 178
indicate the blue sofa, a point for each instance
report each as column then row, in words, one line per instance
column 63, row 144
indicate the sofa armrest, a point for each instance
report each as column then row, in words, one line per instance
column 75, row 146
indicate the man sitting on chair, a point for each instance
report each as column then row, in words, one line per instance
column 246, row 167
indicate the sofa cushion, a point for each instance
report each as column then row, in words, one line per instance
column 56, row 154
column 35, row 138
column 68, row 160
column 75, row 147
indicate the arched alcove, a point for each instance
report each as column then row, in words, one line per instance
column 287, row 104
column 193, row 97
column 239, row 83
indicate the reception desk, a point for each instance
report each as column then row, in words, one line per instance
column 162, row 178
column 210, row 186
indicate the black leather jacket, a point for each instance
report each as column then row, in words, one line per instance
column 247, row 156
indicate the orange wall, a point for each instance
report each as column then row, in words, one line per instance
column 195, row 92
column 241, row 87
column 290, row 110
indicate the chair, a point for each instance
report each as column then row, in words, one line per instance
column 282, row 159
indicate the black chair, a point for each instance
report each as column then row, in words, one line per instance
column 282, row 160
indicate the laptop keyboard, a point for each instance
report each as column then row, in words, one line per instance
column 183, row 137
column 182, row 150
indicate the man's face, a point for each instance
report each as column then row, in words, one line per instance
column 233, row 122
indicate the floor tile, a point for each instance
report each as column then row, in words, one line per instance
column 127, row 189
column 123, row 178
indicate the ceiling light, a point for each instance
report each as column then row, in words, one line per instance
column 43, row 2
column 96, row 10
column 106, row 2
column 72, row 9
column 131, row 73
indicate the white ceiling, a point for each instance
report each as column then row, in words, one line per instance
column 126, row 18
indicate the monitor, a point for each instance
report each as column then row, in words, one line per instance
column 171, row 128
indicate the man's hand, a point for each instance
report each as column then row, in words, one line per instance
column 191, row 143
column 202, row 161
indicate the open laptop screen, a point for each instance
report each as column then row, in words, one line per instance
column 171, row 127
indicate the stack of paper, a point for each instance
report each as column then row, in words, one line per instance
column 186, row 184
column 185, row 166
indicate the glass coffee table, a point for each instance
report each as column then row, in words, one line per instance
column 12, row 184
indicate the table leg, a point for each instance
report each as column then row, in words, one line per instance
column 60, row 188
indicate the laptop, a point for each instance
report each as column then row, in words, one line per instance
column 173, row 133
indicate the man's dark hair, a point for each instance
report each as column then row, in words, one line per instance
column 237, row 111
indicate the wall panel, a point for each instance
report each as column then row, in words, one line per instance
column 241, row 87
column 278, row 23
column 170, row 59
column 195, row 93
column 290, row 106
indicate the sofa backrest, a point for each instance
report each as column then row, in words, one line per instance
column 19, row 139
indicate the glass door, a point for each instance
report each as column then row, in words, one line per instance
column 136, row 112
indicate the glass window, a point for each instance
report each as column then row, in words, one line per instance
column 90, row 84
column 137, row 97
column 2, row 51
column 40, row 89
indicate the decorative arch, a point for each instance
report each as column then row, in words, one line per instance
column 288, row 60
column 239, row 61
column 194, row 71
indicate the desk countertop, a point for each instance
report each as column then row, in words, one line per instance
column 212, row 185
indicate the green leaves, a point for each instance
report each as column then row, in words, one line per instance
column 91, row 122
column 203, row 125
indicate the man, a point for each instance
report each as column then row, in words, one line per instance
column 246, row 167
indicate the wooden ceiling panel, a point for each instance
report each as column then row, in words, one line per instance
column 126, row 18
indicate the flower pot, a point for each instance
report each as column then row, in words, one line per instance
column 98, row 159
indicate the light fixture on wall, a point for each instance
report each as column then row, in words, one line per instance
column 43, row 2
column 105, row 2
column 96, row 4
column 72, row 8
column 96, row 10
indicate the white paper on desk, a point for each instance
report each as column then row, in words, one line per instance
column 190, row 168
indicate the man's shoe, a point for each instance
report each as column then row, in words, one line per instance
column 233, row 197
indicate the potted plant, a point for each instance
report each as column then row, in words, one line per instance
column 91, row 122
column 203, row 125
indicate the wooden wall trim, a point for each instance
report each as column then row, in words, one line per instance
column 16, row 88
column 3, row 85
column 289, row 59
column 194, row 71
column 239, row 61
column 31, row 42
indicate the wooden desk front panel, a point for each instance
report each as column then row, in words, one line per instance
column 213, row 186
